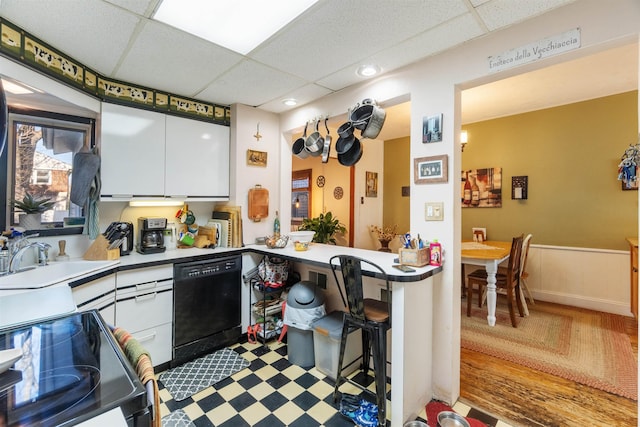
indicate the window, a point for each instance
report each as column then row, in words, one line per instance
column 41, row 148
column 300, row 196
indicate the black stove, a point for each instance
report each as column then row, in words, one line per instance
column 71, row 370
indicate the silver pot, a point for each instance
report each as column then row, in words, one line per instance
column 315, row 142
column 369, row 118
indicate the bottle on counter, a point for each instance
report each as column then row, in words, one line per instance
column 466, row 195
column 475, row 192
column 435, row 249
column 4, row 259
column 276, row 226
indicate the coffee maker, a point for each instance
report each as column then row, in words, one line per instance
column 150, row 235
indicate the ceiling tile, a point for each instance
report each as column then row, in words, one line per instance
column 167, row 59
column 501, row 13
column 252, row 84
column 77, row 28
column 303, row 95
column 140, row 7
column 320, row 43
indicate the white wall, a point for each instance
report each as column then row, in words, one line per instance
column 434, row 87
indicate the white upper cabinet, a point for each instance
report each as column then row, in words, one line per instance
column 149, row 154
column 132, row 152
column 197, row 159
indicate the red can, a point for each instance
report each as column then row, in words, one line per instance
column 436, row 253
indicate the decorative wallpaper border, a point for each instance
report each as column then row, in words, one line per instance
column 19, row 45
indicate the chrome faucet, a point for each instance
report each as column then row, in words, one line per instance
column 16, row 257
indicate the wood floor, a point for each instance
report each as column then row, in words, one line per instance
column 525, row 397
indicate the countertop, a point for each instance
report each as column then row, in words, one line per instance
column 78, row 269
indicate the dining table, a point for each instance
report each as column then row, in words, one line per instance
column 488, row 254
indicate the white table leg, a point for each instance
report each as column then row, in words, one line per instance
column 492, row 268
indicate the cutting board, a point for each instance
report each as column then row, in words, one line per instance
column 258, row 203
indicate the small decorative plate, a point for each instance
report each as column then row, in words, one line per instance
column 338, row 193
column 320, row 181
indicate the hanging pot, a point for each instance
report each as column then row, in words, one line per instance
column 352, row 155
column 315, row 142
column 298, row 145
column 344, row 144
column 327, row 143
column 368, row 117
column 375, row 122
column 345, row 130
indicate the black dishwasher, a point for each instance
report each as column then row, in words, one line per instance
column 206, row 307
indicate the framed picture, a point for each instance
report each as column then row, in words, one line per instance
column 432, row 129
column 256, row 158
column 481, row 188
column 430, row 170
column 371, row 184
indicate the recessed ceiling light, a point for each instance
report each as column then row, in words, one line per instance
column 237, row 25
column 368, row 70
column 290, row 102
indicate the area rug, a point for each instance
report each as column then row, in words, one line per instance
column 433, row 408
column 177, row 418
column 194, row 376
column 580, row 345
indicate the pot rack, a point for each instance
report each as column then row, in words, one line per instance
column 353, row 148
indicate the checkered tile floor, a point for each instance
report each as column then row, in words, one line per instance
column 272, row 392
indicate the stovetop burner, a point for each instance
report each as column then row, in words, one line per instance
column 64, row 361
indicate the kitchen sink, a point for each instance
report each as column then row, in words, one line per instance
column 54, row 272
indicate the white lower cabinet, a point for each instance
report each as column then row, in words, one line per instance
column 99, row 294
column 144, row 308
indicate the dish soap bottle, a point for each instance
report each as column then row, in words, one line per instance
column 435, row 249
column 276, row 226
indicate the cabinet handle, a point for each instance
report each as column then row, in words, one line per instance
column 147, row 337
column 145, row 297
column 148, row 285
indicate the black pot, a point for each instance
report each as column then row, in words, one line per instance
column 345, row 130
column 343, row 144
column 298, row 148
column 352, row 155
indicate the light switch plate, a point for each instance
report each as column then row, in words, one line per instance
column 433, row 211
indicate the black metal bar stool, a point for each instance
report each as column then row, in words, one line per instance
column 373, row 317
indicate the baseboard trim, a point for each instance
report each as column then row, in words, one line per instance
column 606, row 306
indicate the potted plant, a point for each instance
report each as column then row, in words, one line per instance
column 385, row 235
column 33, row 209
column 325, row 226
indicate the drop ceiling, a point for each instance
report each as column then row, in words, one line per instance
column 311, row 57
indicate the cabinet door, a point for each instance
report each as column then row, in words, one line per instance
column 197, row 156
column 132, row 151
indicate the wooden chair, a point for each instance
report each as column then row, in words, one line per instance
column 510, row 281
column 373, row 317
column 523, row 274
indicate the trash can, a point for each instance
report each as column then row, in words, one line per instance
column 327, row 334
column 305, row 305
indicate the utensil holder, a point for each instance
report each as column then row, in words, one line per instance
column 414, row 257
column 98, row 251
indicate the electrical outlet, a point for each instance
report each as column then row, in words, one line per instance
column 433, row 211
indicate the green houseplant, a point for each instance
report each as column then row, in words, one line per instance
column 33, row 209
column 325, row 226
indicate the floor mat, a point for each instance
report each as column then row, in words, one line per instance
column 190, row 378
column 177, row 418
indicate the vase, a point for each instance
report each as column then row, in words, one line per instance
column 384, row 245
column 30, row 221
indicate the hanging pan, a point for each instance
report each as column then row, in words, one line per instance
column 298, row 145
column 327, row 143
